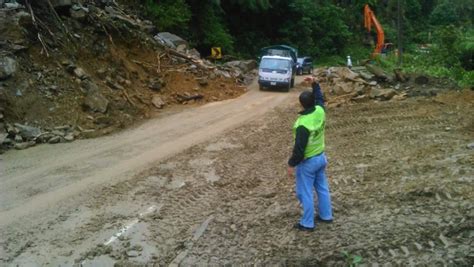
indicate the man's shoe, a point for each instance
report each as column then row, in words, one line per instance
column 319, row 219
column 302, row 228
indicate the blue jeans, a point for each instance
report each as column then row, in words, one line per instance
column 311, row 173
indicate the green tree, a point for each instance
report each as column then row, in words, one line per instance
column 169, row 15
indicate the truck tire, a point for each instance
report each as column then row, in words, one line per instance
column 260, row 87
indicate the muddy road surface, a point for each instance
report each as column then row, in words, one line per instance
column 209, row 187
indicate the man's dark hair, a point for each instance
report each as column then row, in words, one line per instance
column 307, row 99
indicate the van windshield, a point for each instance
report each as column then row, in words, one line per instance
column 275, row 64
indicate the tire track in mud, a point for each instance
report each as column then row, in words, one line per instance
column 403, row 251
column 358, row 166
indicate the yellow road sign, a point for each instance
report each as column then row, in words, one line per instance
column 216, row 53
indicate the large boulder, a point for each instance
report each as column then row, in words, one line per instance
column 172, row 41
column 28, row 132
column 342, row 88
column 8, row 67
column 382, row 94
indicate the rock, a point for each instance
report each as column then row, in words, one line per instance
column 158, row 102
column 18, row 139
column 470, row 146
column 89, row 86
column 78, row 12
column 222, row 73
column 27, row 132
column 133, row 253
column 7, row 142
column 378, row 72
column 54, row 140
column 44, row 138
column 63, row 128
column 17, row 48
column 8, row 67
column 103, row 121
column 360, row 89
column 69, row 137
column 400, row 76
column 12, row 5
column 11, row 129
column 25, row 145
column 95, row 102
column 148, row 27
column 58, row 133
column 184, row 98
column 3, row 137
column 194, row 53
column 342, row 88
column 101, row 71
column 373, row 83
column 156, row 84
column 400, row 97
column 80, row 73
column 347, row 74
column 172, row 41
column 243, row 65
column 360, row 98
column 66, row 63
column 113, row 84
column 203, row 81
column 366, row 75
column 382, row 94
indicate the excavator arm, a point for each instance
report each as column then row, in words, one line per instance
column 369, row 21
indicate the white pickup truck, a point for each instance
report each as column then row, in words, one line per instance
column 276, row 72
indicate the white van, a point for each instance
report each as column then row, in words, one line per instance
column 276, row 72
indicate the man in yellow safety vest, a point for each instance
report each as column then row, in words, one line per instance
column 309, row 159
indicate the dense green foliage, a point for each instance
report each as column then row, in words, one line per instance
column 325, row 29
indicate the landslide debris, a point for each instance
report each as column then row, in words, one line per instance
column 370, row 82
column 88, row 68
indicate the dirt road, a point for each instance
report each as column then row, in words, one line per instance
column 46, row 181
column 401, row 174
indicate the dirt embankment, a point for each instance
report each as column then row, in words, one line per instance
column 88, row 70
